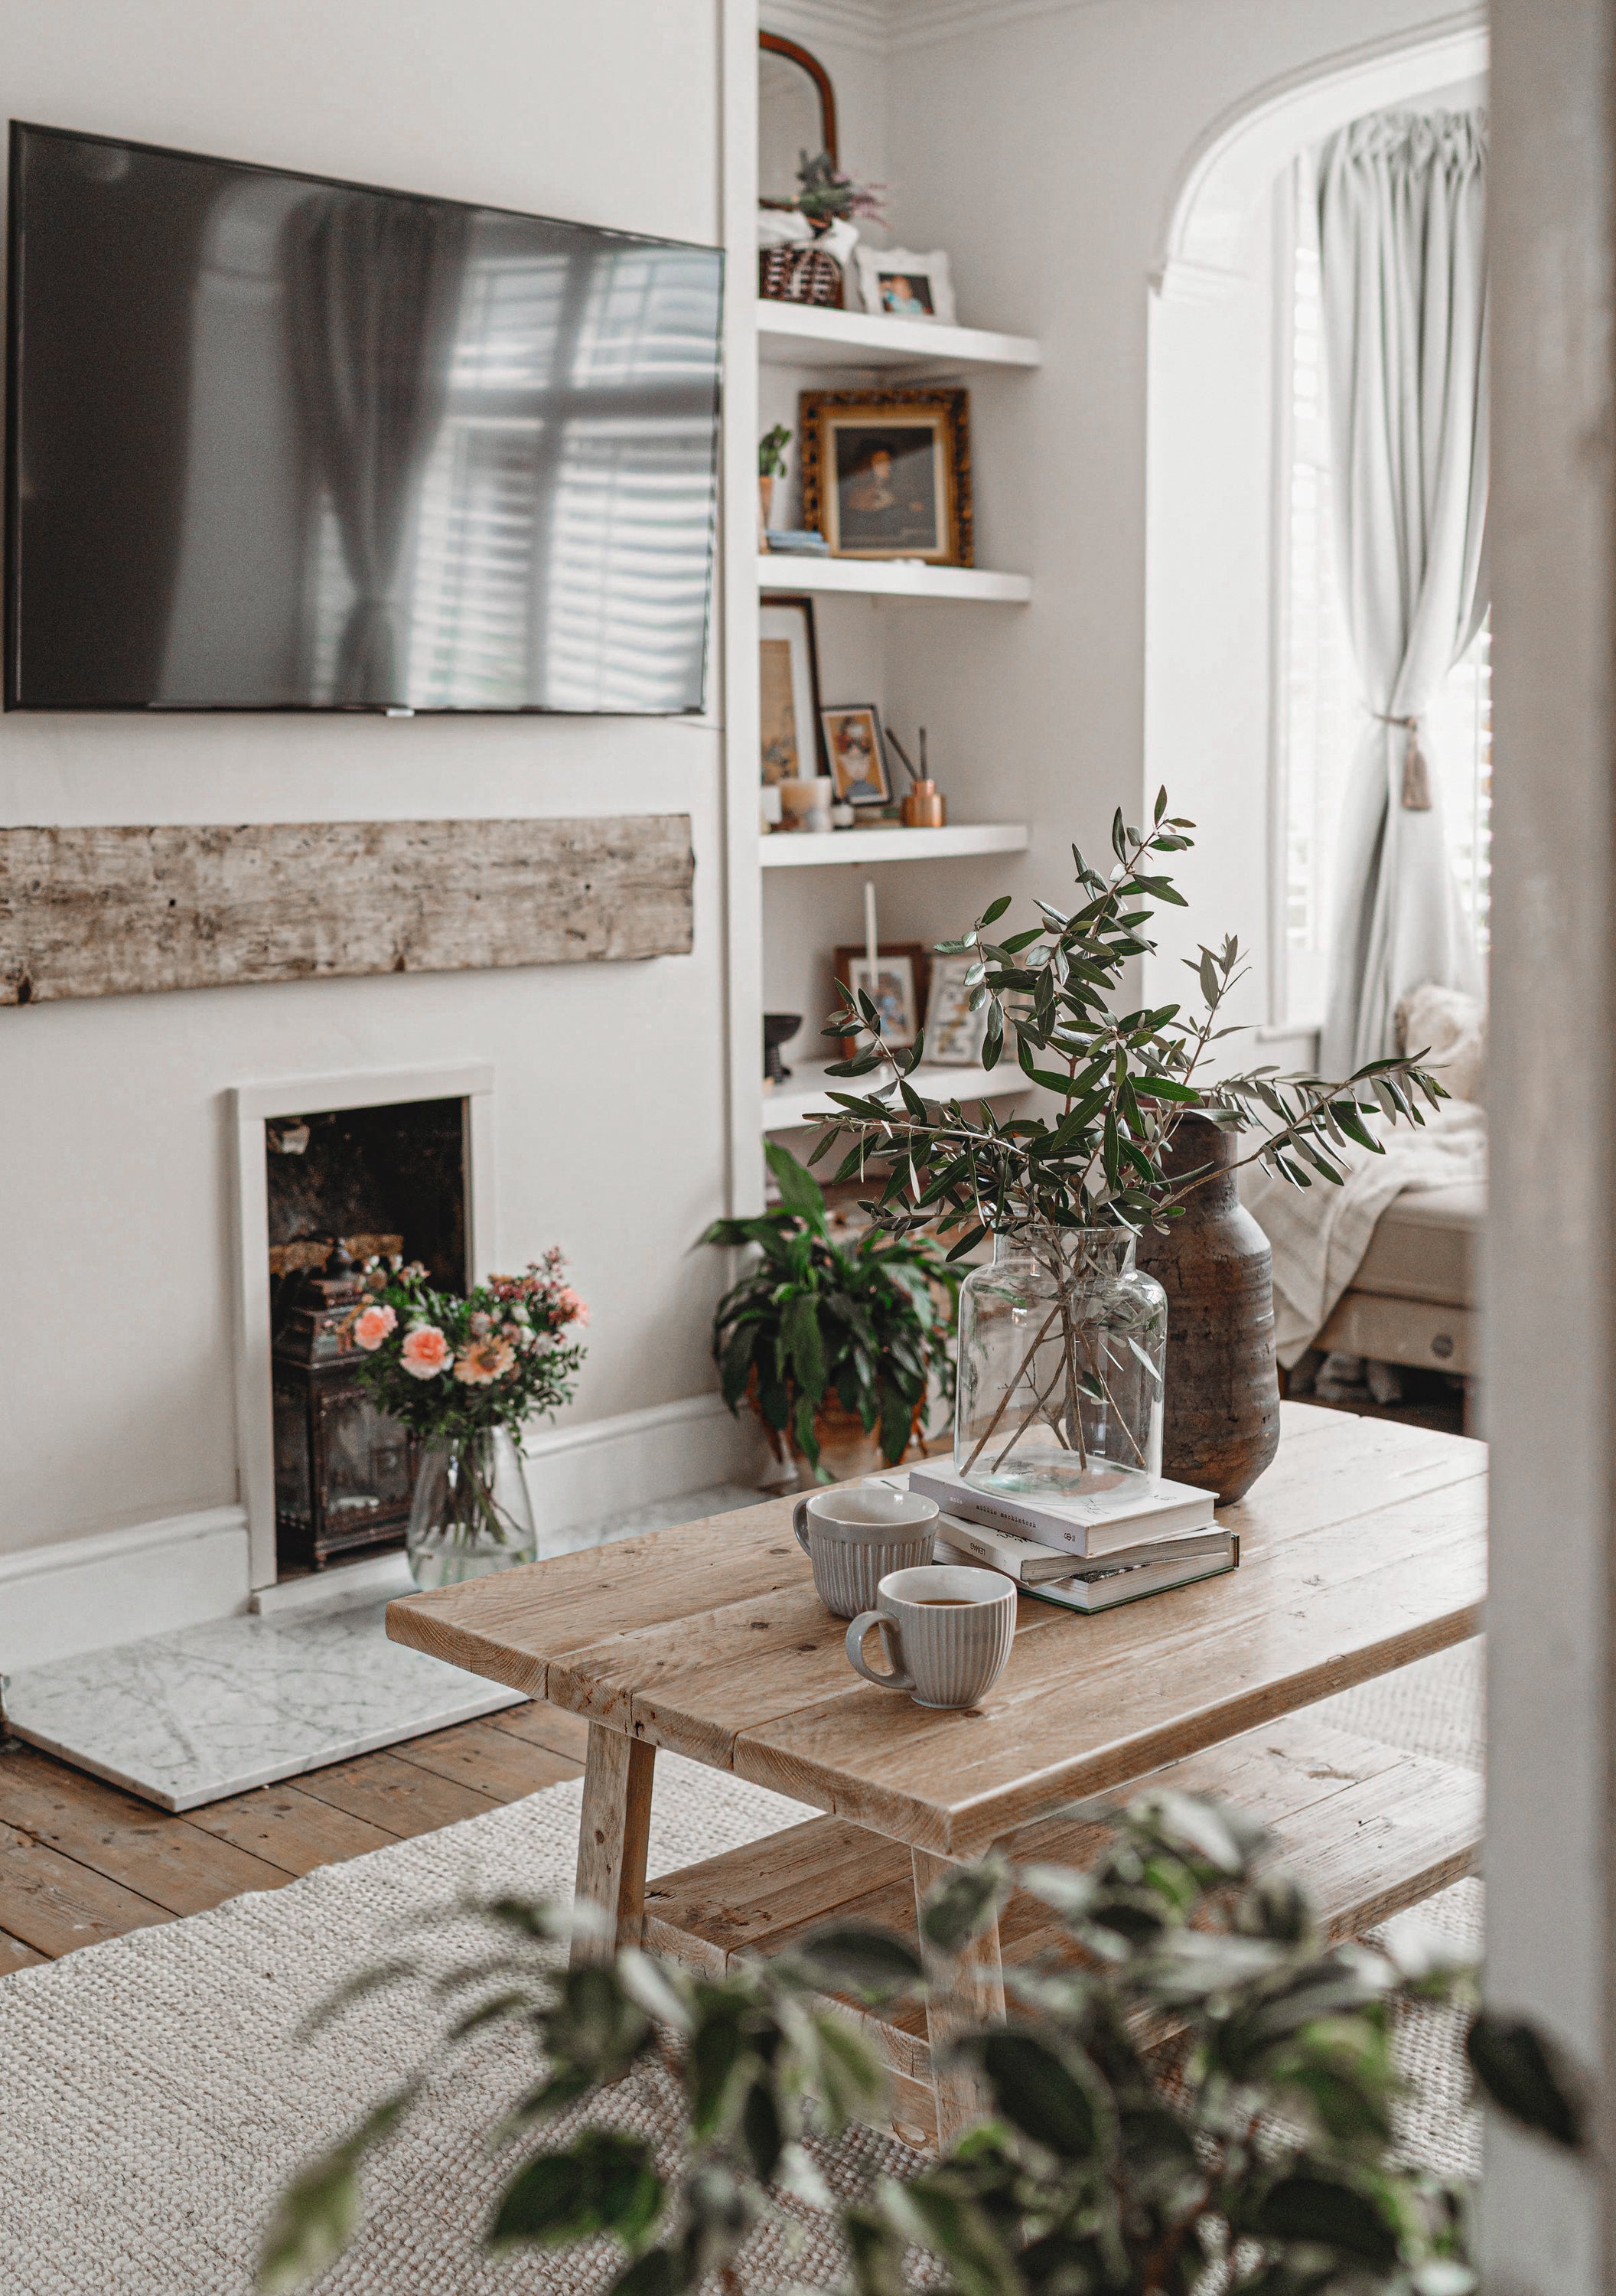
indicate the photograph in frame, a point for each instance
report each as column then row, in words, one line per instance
column 789, row 678
column 954, row 1034
column 856, row 753
column 895, row 283
column 903, row 971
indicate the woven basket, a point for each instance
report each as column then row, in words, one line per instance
column 799, row 274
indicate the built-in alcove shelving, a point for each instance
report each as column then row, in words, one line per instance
column 871, row 847
column 791, row 1105
column 887, row 578
column 797, row 335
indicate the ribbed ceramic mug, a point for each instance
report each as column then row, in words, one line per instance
column 947, row 1631
column 855, row 1535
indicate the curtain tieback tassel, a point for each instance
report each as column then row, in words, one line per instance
column 1416, row 772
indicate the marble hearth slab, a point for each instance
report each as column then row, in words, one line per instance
column 187, row 1718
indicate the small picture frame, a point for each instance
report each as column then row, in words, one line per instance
column 898, row 990
column 954, row 1034
column 788, row 664
column 856, row 753
column 887, row 474
column 895, row 283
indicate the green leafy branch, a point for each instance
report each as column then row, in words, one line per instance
column 1122, row 1081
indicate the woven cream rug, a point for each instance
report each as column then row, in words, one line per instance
column 153, row 2095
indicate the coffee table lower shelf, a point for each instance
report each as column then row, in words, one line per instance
column 1366, row 1828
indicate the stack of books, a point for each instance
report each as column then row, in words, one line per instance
column 1086, row 1553
column 795, row 542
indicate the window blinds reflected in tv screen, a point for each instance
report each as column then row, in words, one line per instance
column 282, row 443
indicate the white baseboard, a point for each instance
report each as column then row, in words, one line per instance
column 613, row 1466
column 85, row 1593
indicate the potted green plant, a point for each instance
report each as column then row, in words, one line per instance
column 771, row 465
column 832, row 1344
column 1198, row 2094
column 464, row 1376
column 1062, row 1340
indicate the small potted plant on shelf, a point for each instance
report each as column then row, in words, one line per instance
column 834, row 1347
column 1062, row 1340
column 771, row 465
column 464, row 1376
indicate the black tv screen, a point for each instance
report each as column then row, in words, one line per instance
column 281, row 443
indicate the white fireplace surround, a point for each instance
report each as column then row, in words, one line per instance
column 253, row 1106
column 87, row 1594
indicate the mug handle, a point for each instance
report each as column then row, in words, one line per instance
column 799, row 1519
column 897, row 1679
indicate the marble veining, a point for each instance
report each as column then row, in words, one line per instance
column 184, row 1718
column 187, row 1718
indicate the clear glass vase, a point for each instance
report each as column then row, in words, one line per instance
column 470, row 1513
column 1062, row 1346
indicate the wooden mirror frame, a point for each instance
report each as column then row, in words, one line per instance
column 777, row 45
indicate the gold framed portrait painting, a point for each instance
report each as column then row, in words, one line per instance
column 887, row 474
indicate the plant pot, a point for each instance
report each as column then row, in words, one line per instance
column 1222, row 1403
column 845, row 1450
column 470, row 1513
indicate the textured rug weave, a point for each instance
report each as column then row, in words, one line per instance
column 153, row 2095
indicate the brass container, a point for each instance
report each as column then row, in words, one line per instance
column 925, row 807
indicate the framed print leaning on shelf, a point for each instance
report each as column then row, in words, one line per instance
column 897, row 990
column 898, row 284
column 954, row 1034
column 887, row 474
column 788, row 662
column 858, row 758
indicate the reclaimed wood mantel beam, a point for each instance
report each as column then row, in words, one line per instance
column 116, row 912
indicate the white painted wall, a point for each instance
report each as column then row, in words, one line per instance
column 116, row 1407
column 1044, row 153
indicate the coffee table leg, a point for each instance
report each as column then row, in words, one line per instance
column 978, row 2000
column 614, row 1832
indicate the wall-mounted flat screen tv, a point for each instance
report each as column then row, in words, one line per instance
column 281, row 443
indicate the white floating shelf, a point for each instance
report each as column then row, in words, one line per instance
column 796, row 850
column 880, row 577
column 804, row 1099
column 798, row 334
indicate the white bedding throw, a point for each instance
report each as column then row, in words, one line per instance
column 1320, row 1234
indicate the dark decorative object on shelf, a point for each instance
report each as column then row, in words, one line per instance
column 1221, row 1416
column 344, row 1470
column 778, row 1028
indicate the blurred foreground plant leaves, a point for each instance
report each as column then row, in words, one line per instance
column 1195, row 2083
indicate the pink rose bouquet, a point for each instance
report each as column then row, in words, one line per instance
column 450, row 1367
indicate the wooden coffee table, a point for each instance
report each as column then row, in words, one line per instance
column 1363, row 1547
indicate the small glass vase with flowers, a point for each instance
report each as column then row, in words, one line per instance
column 464, row 1376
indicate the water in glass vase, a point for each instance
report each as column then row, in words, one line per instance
column 470, row 1513
column 1062, row 1347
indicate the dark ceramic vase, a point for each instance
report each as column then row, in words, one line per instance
column 1222, row 1405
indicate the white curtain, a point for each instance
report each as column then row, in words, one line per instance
column 1403, row 267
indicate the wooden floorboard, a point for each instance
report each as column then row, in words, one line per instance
column 56, row 1905
column 15, row 1955
column 394, row 1795
column 81, row 1862
column 286, row 1827
column 160, row 1857
column 492, row 1762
